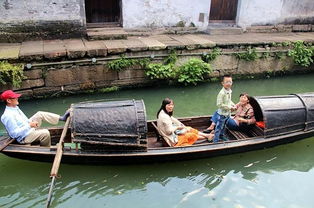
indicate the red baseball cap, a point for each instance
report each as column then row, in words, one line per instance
column 9, row 94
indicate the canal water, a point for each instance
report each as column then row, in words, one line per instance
column 272, row 178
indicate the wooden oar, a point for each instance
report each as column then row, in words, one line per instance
column 57, row 160
column 3, row 146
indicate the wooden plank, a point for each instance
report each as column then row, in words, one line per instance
column 5, row 143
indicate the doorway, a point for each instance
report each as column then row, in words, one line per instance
column 223, row 11
column 102, row 13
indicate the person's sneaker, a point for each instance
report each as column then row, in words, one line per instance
column 224, row 139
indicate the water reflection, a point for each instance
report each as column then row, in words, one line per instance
column 183, row 180
column 276, row 177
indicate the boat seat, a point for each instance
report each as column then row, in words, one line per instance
column 254, row 131
column 159, row 137
column 237, row 134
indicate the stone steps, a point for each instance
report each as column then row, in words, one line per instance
column 116, row 33
column 224, row 30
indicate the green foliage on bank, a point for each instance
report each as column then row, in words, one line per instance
column 160, row 71
column 109, row 89
column 193, row 71
column 302, row 53
column 190, row 72
column 123, row 63
column 10, row 73
column 212, row 55
column 248, row 55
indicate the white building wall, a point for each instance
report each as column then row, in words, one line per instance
column 270, row 12
column 161, row 13
column 258, row 12
column 42, row 10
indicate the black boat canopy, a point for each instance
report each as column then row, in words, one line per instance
column 285, row 114
column 118, row 124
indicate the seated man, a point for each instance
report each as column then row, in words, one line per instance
column 22, row 129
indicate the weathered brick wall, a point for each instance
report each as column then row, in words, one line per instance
column 30, row 19
column 77, row 77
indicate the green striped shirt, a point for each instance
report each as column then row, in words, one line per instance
column 224, row 102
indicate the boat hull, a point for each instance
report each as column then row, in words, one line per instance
column 154, row 155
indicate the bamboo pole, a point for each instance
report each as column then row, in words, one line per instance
column 57, row 160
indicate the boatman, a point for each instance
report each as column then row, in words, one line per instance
column 22, row 129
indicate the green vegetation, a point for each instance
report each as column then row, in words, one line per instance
column 10, row 73
column 193, row 71
column 165, row 70
column 279, row 54
column 302, row 54
column 109, row 89
column 209, row 57
column 265, row 55
column 172, row 58
column 123, row 63
column 249, row 55
column 160, row 71
column 285, row 44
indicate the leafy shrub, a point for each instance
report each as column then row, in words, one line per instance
column 123, row 63
column 172, row 58
column 212, row 55
column 109, row 89
column 11, row 73
column 193, row 71
column 249, row 55
column 279, row 54
column 302, row 54
column 120, row 64
column 160, row 71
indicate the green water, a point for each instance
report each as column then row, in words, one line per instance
column 275, row 177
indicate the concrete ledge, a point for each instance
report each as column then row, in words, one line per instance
column 71, row 49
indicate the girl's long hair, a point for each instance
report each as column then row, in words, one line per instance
column 165, row 102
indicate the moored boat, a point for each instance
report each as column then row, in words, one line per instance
column 118, row 133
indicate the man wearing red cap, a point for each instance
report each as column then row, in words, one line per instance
column 25, row 130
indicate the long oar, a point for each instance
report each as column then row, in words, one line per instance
column 5, row 144
column 57, row 160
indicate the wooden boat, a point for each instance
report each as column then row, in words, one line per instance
column 287, row 118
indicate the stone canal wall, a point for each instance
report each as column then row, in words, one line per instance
column 58, row 78
column 73, row 66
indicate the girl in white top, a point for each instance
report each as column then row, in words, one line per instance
column 173, row 130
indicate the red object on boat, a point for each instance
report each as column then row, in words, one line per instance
column 260, row 124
